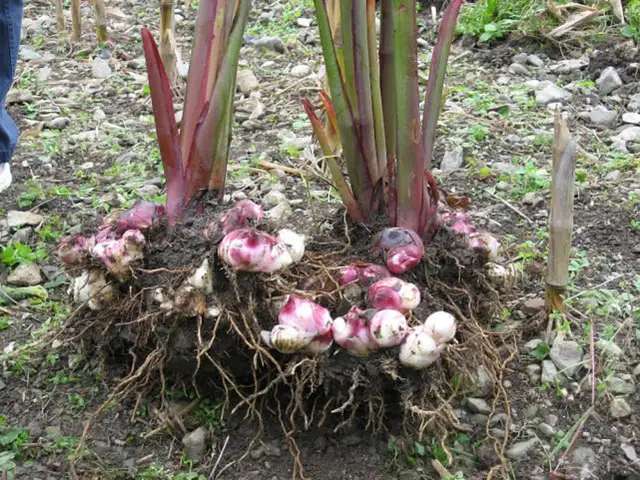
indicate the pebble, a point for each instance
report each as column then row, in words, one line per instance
column 533, row 344
column 478, row 405
column 520, row 57
column 484, row 384
column 247, row 81
column 272, row 43
column 518, row 69
column 300, row 71
column 279, row 213
column 22, row 235
column 25, row 275
column 566, row 355
column 546, row 430
column 631, row 117
column 16, row 219
column 99, row 115
column 303, row 22
column 619, row 408
column 602, row 116
column 636, row 371
column 608, row 81
column 613, row 176
column 520, row 449
column 549, row 372
column 58, row 123
column 584, row 460
column 551, row 419
column 533, row 306
column 100, row 68
column 634, row 103
column 620, row 386
column 27, row 53
column 535, row 60
column 533, row 370
column 44, row 73
column 551, row 93
column 532, row 199
column 608, row 348
column 452, row 160
column 195, row 443
column 570, row 65
column 273, row 198
column 628, row 134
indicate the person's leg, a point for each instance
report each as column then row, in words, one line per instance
column 10, row 23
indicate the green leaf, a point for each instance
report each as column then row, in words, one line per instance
column 541, row 351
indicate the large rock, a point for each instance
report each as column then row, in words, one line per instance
column 17, row 219
column 100, row 68
column 550, row 92
column 566, row 355
column 602, row 116
column 628, row 134
column 549, row 372
column 608, row 81
column 25, row 275
column 631, row 117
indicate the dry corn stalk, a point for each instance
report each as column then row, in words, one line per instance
column 561, row 215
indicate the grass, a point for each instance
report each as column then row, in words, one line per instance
column 283, row 24
column 632, row 28
column 490, row 20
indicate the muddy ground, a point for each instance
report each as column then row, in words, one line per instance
column 87, row 147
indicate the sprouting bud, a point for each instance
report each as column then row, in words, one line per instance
column 305, row 315
column 287, row 338
column 351, row 332
column 362, row 273
column 74, row 250
column 388, row 328
column 141, row 216
column 441, row 326
column 419, row 349
column 403, row 249
column 241, row 215
column 92, row 287
column 485, row 242
column 393, row 293
column 202, row 278
column 119, row 255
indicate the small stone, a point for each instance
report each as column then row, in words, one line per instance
column 452, row 160
column 303, row 22
column 300, row 71
column 25, row 275
column 601, row 116
column 58, row 123
column 636, row 371
column 570, row 65
column 630, row 453
column 551, row 93
column 533, row 344
column 628, row 134
column 16, row 219
column 99, row 115
column 531, row 411
column 566, row 355
column 195, row 443
column 479, row 419
column 549, row 372
column 148, row 190
column 53, row 431
column 608, row 81
column 634, row 103
column 533, row 306
column 551, row 419
column 247, row 81
column 27, row 53
column 546, row 430
column 22, row 235
column 272, row 43
column 272, row 450
column 533, row 371
column 613, row 176
column 631, row 117
column 535, row 60
column 518, row 69
column 520, row 449
column 273, row 198
column 520, row 57
column 484, row 383
column 619, row 408
column 100, row 68
column 352, row 440
column 279, row 213
column 620, row 386
column 478, row 405
column 44, row 73
column 532, row 199
column 584, row 461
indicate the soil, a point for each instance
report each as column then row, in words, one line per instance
column 105, row 159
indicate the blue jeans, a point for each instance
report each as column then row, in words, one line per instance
column 10, row 22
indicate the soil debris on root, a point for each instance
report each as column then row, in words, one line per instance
column 222, row 354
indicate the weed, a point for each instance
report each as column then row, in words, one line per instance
column 541, row 351
column 284, row 24
column 208, row 414
column 77, row 401
column 32, row 194
column 632, row 13
column 478, row 132
column 5, row 322
column 16, row 253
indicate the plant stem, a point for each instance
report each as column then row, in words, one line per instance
column 101, row 21
column 167, row 40
column 60, row 17
column 561, row 215
column 75, row 20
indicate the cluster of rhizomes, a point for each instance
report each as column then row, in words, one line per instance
column 380, row 321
